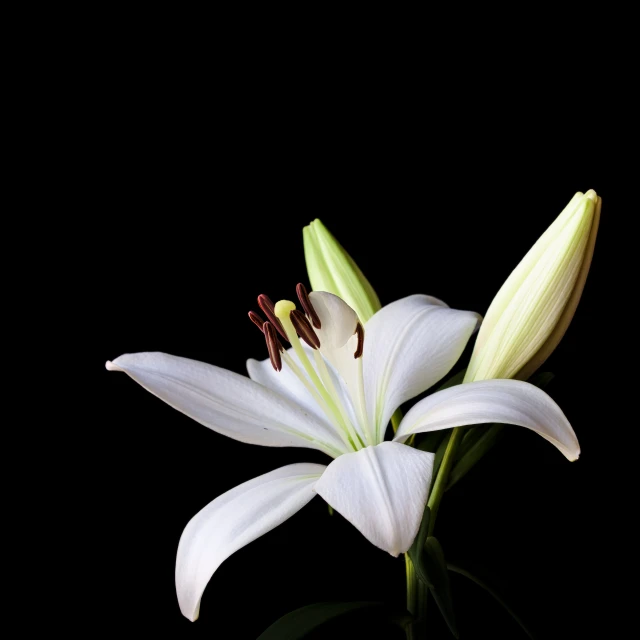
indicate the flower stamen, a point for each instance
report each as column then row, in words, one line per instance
column 304, row 329
column 360, row 348
column 294, row 326
column 305, row 302
column 269, row 310
column 284, row 311
column 256, row 319
column 273, row 345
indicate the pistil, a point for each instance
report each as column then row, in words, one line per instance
column 283, row 310
column 283, row 318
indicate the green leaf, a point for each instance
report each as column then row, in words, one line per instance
column 441, row 589
column 431, row 568
column 490, row 591
column 299, row 623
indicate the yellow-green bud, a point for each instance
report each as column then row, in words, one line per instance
column 332, row 269
column 534, row 307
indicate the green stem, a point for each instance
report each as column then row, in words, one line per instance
column 412, row 585
column 416, row 602
column 443, row 475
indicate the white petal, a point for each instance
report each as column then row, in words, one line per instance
column 289, row 385
column 337, row 318
column 409, row 345
column 382, row 491
column 227, row 402
column 235, row 519
column 338, row 343
column 285, row 382
column 505, row 401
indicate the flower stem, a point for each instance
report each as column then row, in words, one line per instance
column 417, row 592
column 412, row 584
column 416, row 602
column 443, row 475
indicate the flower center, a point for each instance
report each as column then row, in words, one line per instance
column 285, row 321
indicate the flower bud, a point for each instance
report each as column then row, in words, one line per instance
column 534, row 307
column 332, row 269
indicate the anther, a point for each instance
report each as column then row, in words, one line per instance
column 256, row 319
column 267, row 306
column 304, row 329
column 273, row 345
column 305, row 302
column 360, row 348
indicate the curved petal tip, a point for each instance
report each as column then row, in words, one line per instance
column 109, row 366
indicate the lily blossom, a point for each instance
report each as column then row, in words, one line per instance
column 335, row 394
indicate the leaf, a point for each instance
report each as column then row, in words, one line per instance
column 299, row 623
column 441, row 589
column 490, row 591
column 431, row 568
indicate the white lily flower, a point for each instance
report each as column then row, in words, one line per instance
column 337, row 396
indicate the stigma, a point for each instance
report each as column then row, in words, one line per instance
column 284, row 322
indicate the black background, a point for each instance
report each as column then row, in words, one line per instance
column 200, row 205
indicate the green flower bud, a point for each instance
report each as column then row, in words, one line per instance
column 534, row 307
column 332, row 269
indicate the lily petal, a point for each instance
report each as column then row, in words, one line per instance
column 409, row 345
column 285, row 382
column 338, row 342
column 227, row 402
column 337, row 318
column 235, row 519
column 505, row 401
column 382, row 491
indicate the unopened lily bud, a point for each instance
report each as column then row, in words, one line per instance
column 534, row 307
column 332, row 269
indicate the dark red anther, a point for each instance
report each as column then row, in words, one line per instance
column 304, row 329
column 273, row 345
column 269, row 310
column 305, row 301
column 256, row 319
column 360, row 348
